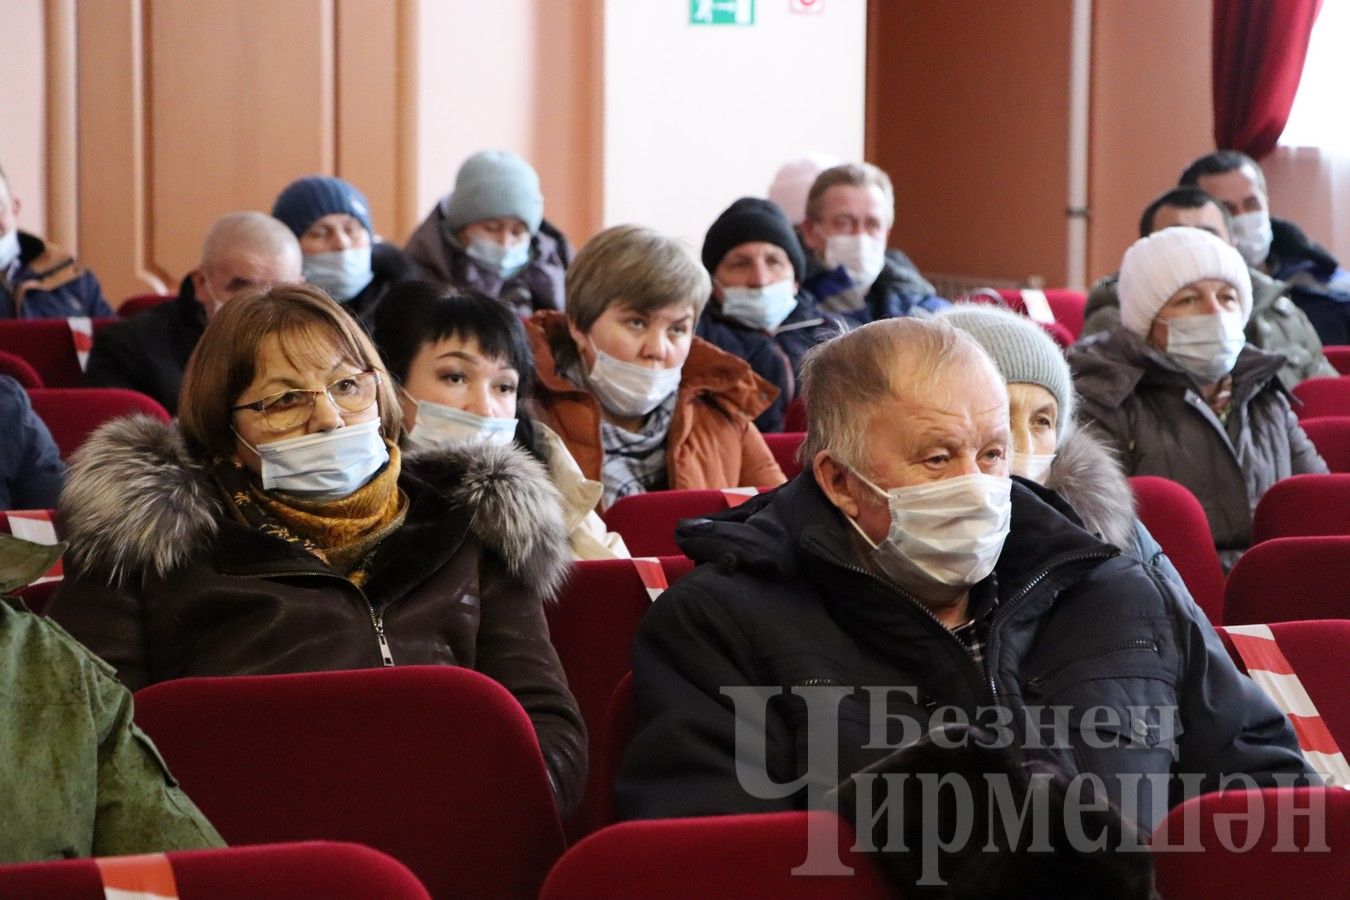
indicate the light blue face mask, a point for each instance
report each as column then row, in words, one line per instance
column 438, row 422
column 762, row 308
column 342, row 273
column 326, row 465
column 497, row 259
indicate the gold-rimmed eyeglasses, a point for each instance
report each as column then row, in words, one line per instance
column 292, row 408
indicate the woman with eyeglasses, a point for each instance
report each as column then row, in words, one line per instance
column 278, row 528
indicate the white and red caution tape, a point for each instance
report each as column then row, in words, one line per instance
column 35, row 525
column 82, row 333
column 147, row 877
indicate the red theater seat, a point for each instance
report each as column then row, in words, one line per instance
column 49, row 346
column 1290, row 579
column 72, row 414
column 616, row 734
column 592, row 626
column 312, row 870
column 647, row 521
column 1331, row 436
column 20, row 370
column 1066, row 305
column 436, row 766
column 1251, row 844
column 784, row 449
column 795, row 420
column 1339, row 357
column 140, row 303
column 1303, row 506
column 1177, row 521
column 1322, row 397
column 750, row 857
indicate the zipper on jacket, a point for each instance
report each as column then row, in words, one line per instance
column 386, row 655
column 1037, row 680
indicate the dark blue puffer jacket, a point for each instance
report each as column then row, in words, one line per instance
column 31, row 471
column 50, row 284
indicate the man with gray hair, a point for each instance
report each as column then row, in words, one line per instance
column 904, row 582
column 148, row 352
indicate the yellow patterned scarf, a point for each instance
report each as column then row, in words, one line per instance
column 342, row 532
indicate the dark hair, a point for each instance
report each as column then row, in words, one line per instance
column 416, row 313
column 1182, row 198
column 1220, row 162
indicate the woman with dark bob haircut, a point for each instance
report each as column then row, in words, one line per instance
column 278, row 528
column 464, row 371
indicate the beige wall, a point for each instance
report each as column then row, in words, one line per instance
column 696, row 116
column 23, row 108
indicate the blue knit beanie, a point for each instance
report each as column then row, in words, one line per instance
column 493, row 184
column 307, row 200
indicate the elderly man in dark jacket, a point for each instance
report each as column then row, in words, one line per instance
column 904, row 580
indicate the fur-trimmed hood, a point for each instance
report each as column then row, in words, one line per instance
column 1087, row 474
column 137, row 504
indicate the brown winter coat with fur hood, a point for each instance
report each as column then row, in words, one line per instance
column 163, row 584
column 712, row 442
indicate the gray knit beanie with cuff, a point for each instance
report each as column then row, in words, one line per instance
column 494, row 184
column 1021, row 350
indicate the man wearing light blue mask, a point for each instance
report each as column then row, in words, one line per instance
column 489, row 235
column 756, row 312
column 1179, row 393
column 331, row 219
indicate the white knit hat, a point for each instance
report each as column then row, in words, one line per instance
column 793, row 182
column 1157, row 266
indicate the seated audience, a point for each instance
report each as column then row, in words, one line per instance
column 83, row 779
column 1277, row 247
column 756, row 311
column 905, row 557
column 1048, row 446
column 489, row 235
column 792, row 182
column 31, row 471
column 342, row 255
column 1177, row 392
column 277, row 528
column 465, row 374
column 1276, row 324
column 39, row 280
column 243, row 251
column 641, row 403
column 849, row 213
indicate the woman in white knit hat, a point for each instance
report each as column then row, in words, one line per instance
column 1178, row 392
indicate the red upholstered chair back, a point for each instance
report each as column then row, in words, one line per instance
column 1303, row 505
column 1331, row 436
column 784, row 449
column 647, row 521
column 795, row 419
column 313, row 870
column 592, row 626
column 1339, row 356
column 1317, row 652
column 750, row 857
column 1323, row 397
column 72, row 414
column 141, row 302
column 1177, row 521
column 48, row 346
column 617, row 733
column 1290, row 579
column 437, row 766
column 20, row 369
column 1245, row 841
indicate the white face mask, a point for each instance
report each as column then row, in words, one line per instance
column 763, row 308
column 861, row 255
column 627, row 389
column 438, row 423
column 1207, row 345
column 1032, row 466
column 326, row 465
column 9, row 248
column 497, row 259
column 944, row 534
column 1252, row 235
column 342, row 273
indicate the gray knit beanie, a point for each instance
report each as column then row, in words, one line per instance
column 492, row 184
column 1022, row 351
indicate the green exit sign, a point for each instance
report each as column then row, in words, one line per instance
column 721, row 12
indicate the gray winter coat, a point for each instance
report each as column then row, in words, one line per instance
column 1089, row 477
column 1276, row 326
column 1151, row 412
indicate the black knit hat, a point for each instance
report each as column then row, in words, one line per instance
column 752, row 219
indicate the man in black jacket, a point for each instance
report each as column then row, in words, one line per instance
column 904, row 581
column 149, row 351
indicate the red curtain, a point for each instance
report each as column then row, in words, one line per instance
column 1259, row 49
